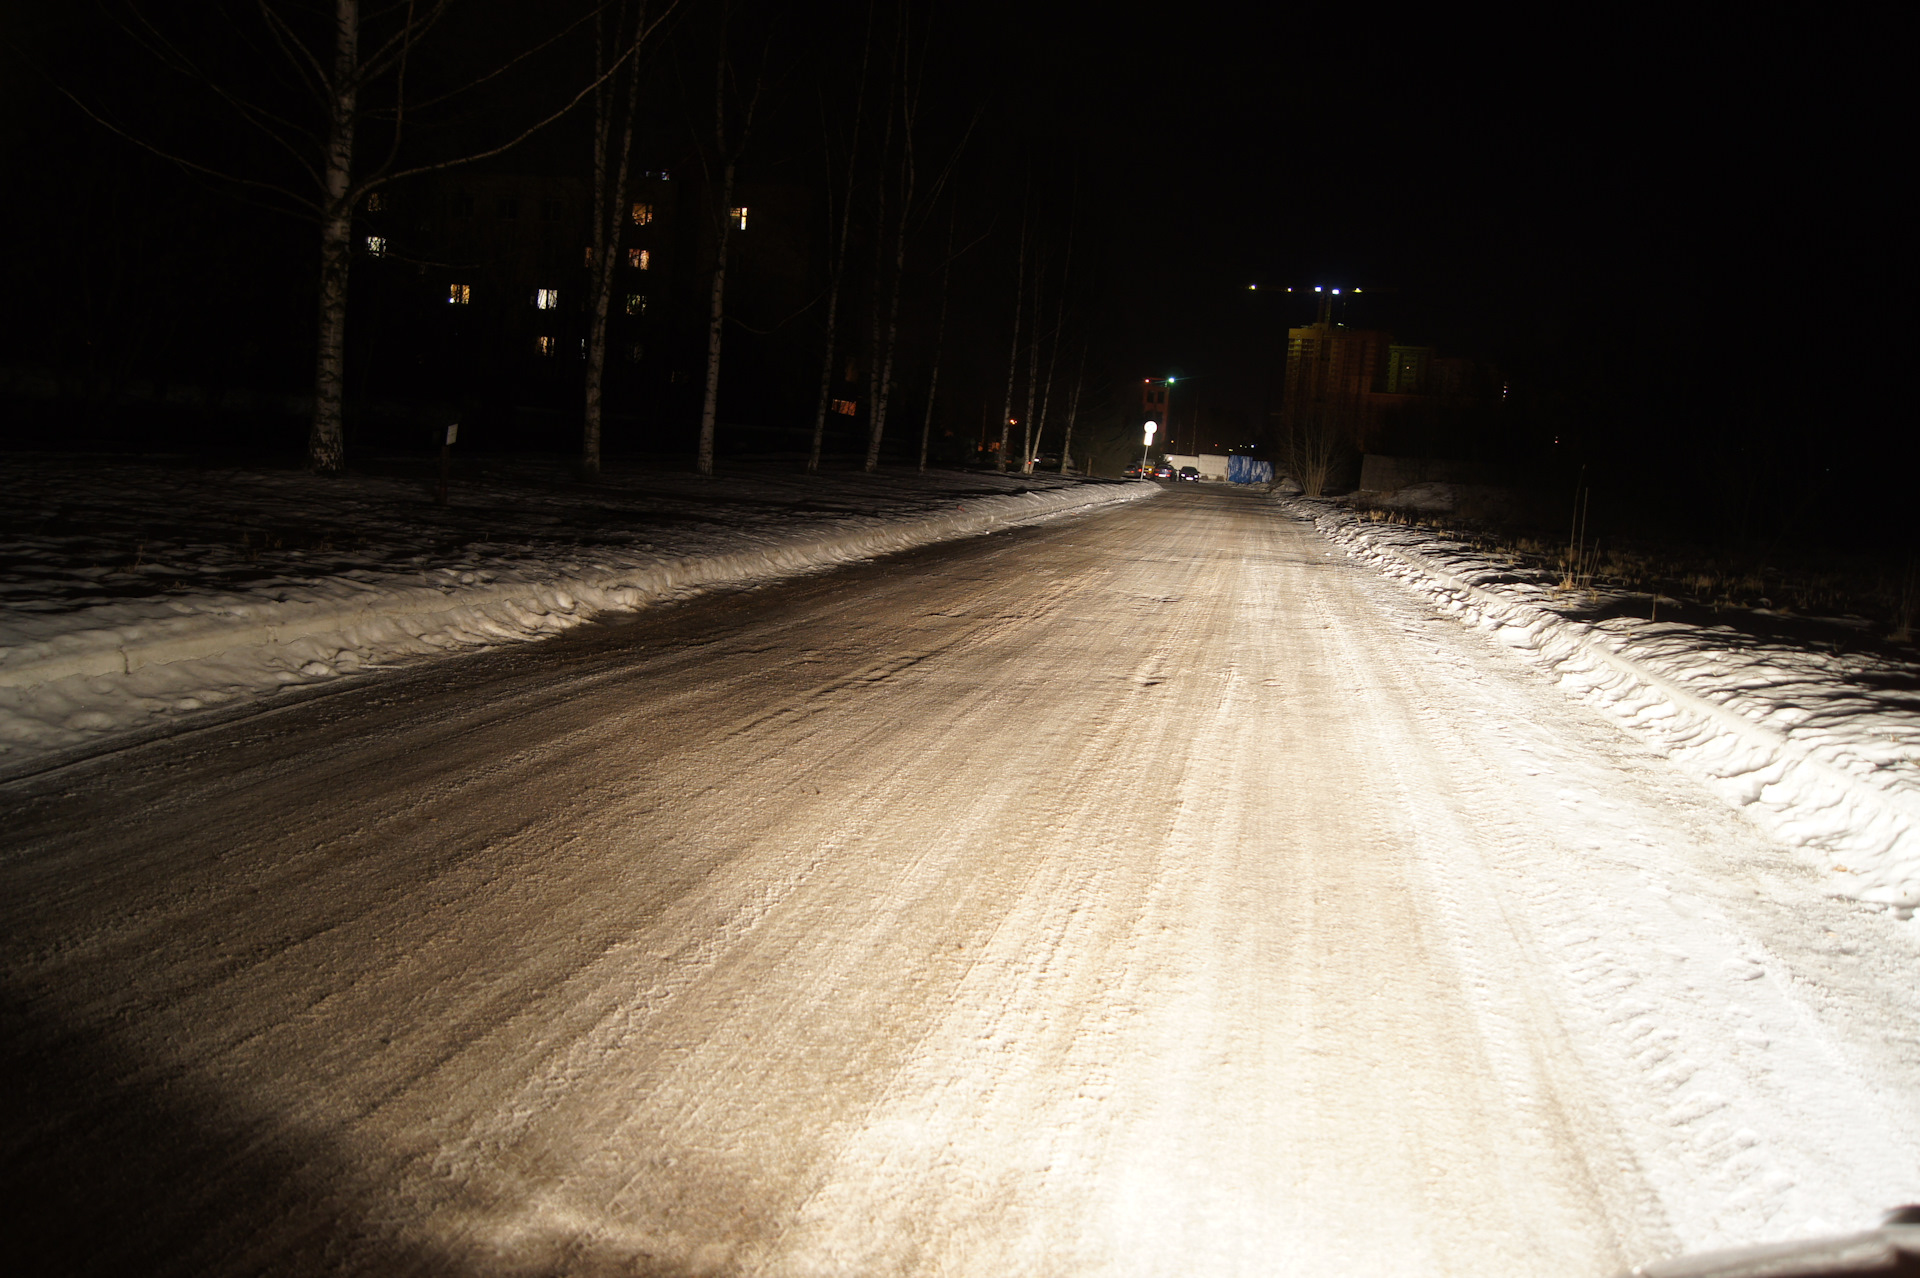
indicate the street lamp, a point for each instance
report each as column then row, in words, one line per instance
column 1147, row 443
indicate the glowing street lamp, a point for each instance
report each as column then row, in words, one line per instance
column 1147, row 443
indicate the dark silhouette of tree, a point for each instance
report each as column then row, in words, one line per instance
column 613, row 114
column 338, row 76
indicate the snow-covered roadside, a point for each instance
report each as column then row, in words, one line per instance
column 221, row 604
column 1814, row 745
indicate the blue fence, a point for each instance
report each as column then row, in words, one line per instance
column 1249, row 470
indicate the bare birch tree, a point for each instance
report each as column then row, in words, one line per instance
column 1013, row 354
column 609, row 206
column 939, row 335
column 908, row 181
column 1059, row 330
column 340, row 68
column 1073, row 410
column 729, row 143
column 837, row 250
column 1312, row 448
column 876, row 355
column 909, row 174
column 1033, row 364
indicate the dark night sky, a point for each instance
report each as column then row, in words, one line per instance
column 1682, row 218
column 1513, row 180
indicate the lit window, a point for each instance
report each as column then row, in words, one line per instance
column 642, row 214
column 376, row 245
column 459, row 294
column 636, row 303
column 546, row 299
column 844, row 407
column 639, row 259
column 738, row 217
column 377, row 202
column 543, row 345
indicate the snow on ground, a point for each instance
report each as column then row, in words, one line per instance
column 1820, row 743
column 133, row 593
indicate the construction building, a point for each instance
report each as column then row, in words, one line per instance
column 1356, row 390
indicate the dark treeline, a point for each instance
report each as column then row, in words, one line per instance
column 833, row 210
column 1673, row 241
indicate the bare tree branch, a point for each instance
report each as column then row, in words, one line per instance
column 182, row 161
column 399, row 99
column 169, row 55
column 443, row 165
column 782, row 323
column 395, row 47
column 291, row 45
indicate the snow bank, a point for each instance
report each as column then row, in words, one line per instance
column 77, row 663
column 1810, row 743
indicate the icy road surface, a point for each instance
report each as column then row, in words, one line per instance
column 1152, row 892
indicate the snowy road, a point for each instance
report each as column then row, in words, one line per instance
column 1150, row 892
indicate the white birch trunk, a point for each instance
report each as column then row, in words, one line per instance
column 597, row 305
column 1053, row 354
column 1053, row 359
column 326, row 438
column 879, row 424
column 1073, row 411
column 1033, row 371
column 716, row 322
column 608, row 207
column 893, row 318
column 839, row 263
column 877, row 353
column 939, row 342
column 1013, row 355
column 826, row 372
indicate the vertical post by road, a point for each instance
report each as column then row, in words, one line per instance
column 446, row 462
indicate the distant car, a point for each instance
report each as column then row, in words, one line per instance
column 1190, row 473
column 1135, row 472
column 1163, row 472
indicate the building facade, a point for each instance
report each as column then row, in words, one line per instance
column 1358, row 390
column 1332, row 372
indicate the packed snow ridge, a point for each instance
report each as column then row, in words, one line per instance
column 1810, row 743
column 132, row 595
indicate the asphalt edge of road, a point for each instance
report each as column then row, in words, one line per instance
column 284, row 636
column 1801, row 799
